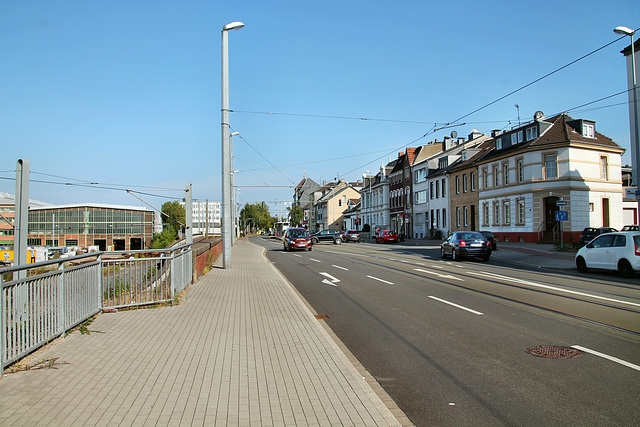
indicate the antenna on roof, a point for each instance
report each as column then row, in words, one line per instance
column 518, row 108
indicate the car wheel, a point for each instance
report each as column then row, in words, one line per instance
column 285, row 247
column 442, row 254
column 486, row 258
column 454, row 255
column 314, row 241
column 624, row 268
column 581, row 264
column 337, row 241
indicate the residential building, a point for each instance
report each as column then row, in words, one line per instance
column 400, row 193
column 7, row 217
column 374, row 196
column 206, row 214
column 303, row 197
column 545, row 166
column 330, row 204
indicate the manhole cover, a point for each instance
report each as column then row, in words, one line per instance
column 554, row 352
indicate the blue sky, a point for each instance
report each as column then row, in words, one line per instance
column 127, row 94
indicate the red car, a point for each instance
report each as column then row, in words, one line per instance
column 387, row 236
column 297, row 238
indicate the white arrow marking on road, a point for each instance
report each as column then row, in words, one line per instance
column 332, row 280
column 444, row 276
column 457, row 306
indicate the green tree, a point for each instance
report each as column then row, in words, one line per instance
column 257, row 215
column 296, row 215
column 165, row 238
column 174, row 215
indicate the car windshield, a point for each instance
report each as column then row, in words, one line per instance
column 487, row 234
column 298, row 233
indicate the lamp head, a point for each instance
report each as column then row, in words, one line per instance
column 625, row 31
column 233, row 26
column 235, row 133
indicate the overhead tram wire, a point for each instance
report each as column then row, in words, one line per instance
column 320, row 116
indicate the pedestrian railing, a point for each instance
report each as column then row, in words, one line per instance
column 44, row 300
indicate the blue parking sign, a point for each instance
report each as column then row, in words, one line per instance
column 562, row 215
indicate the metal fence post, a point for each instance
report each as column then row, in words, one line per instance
column 100, row 283
column 61, row 316
column 172, row 274
column 3, row 326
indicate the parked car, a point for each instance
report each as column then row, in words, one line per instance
column 491, row 239
column 296, row 238
column 630, row 228
column 466, row 244
column 611, row 251
column 387, row 236
column 589, row 233
column 347, row 236
column 325, row 235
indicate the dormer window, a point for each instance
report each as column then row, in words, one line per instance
column 443, row 163
column 589, row 130
column 463, row 155
column 498, row 143
column 532, row 133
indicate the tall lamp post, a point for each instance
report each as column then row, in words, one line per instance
column 227, row 236
column 635, row 146
column 233, row 185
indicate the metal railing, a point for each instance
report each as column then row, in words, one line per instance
column 44, row 300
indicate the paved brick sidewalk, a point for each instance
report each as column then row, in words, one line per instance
column 243, row 349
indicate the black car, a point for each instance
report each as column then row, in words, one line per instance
column 325, row 235
column 347, row 236
column 589, row 233
column 466, row 244
column 491, row 239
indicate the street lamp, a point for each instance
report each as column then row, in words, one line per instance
column 233, row 182
column 226, row 149
column 635, row 147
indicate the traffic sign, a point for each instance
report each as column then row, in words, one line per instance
column 562, row 215
column 561, row 203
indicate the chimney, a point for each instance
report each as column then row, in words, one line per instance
column 495, row 132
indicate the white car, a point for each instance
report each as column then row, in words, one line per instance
column 611, row 251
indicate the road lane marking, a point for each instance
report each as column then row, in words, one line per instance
column 341, row 268
column 444, row 276
column 457, row 305
column 299, row 256
column 313, row 259
column 332, row 280
column 606, row 356
column 380, row 280
column 553, row 288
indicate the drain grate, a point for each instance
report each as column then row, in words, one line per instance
column 321, row 316
column 554, row 352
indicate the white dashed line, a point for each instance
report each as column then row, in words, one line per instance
column 380, row 280
column 313, row 259
column 341, row 268
column 456, row 305
column 606, row 356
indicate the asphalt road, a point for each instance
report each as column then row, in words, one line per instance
column 448, row 340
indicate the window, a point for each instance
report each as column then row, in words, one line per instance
column 486, row 214
column 463, row 155
column 550, row 168
column 591, row 207
column 407, row 195
column 464, row 183
column 466, row 216
column 443, row 163
column 505, row 173
column 444, row 217
column 421, row 175
column 485, row 178
column 496, row 213
column 421, row 197
column 604, row 172
column 431, row 193
column 507, row 213
column 520, row 136
column 458, row 184
column 588, row 130
column 437, row 189
column 472, row 179
column 444, row 188
column 498, row 143
column 521, row 212
column 532, row 133
column 514, row 138
column 458, row 216
column 437, row 218
column 496, row 177
column 520, row 170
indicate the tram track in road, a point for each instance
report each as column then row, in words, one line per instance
column 613, row 313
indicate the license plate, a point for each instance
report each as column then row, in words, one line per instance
column 476, row 245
